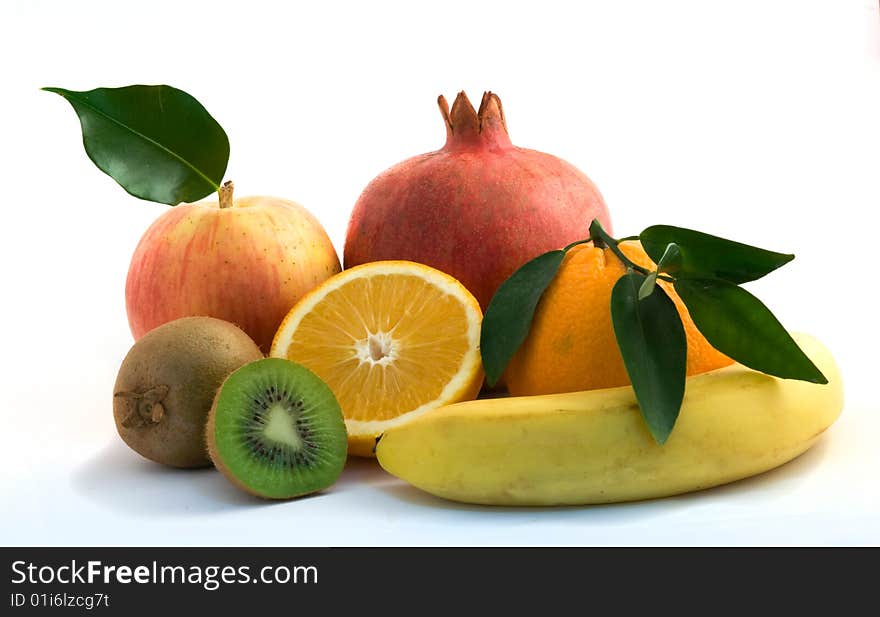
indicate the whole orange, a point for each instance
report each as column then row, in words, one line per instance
column 571, row 345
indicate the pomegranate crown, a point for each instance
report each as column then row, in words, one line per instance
column 467, row 126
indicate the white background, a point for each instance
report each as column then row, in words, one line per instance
column 758, row 121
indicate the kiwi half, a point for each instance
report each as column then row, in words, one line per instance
column 276, row 430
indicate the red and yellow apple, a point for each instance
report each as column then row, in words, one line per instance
column 246, row 260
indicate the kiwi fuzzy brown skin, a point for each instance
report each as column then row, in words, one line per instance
column 166, row 386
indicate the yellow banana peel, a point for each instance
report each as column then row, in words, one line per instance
column 593, row 447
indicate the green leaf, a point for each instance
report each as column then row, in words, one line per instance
column 157, row 142
column 509, row 314
column 703, row 255
column 647, row 286
column 671, row 260
column 737, row 324
column 653, row 344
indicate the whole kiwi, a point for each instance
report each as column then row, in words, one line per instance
column 167, row 382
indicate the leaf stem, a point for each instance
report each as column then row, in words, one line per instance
column 601, row 238
column 574, row 244
column 225, row 193
column 626, row 261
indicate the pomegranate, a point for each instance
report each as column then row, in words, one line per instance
column 478, row 208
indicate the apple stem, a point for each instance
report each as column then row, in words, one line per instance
column 225, row 193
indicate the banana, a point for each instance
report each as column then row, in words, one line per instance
column 593, row 447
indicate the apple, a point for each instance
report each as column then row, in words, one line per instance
column 246, row 260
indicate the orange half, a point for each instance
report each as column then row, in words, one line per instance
column 392, row 339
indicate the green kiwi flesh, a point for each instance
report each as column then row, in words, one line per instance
column 276, row 430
